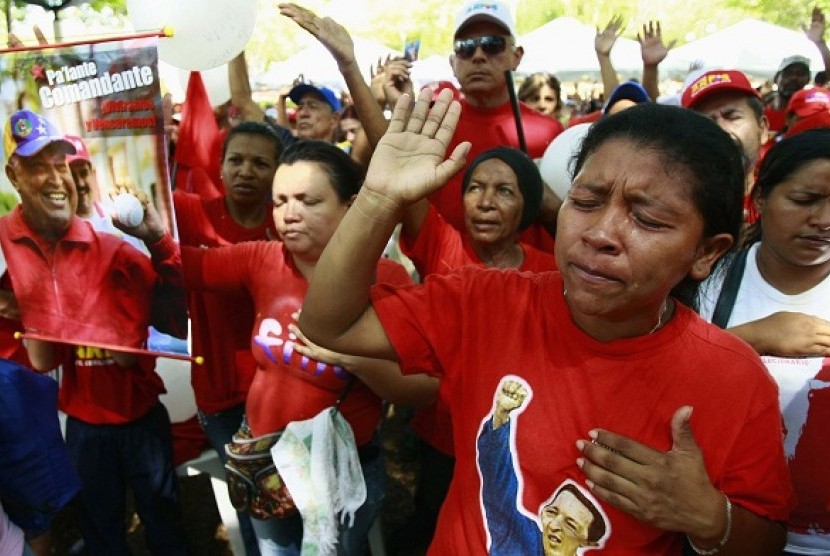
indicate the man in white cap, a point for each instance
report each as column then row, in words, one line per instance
column 794, row 74
column 484, row 48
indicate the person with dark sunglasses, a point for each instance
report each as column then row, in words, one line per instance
column 490, row 45
column 484, row 47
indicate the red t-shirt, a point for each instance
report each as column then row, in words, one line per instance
column 220, row 324
column 480, row 326
column 287, row 386
column 487, row 128
column 441, row 249
column 10, row 347
column 777, row 118
column 96, row 390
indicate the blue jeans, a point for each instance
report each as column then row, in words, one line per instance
column 138, row 455
column 220, row 428
column 284, row 537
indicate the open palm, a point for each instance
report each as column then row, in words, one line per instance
column 607, row 37
column 815, row 32
column 331, row 34
column 408, row 163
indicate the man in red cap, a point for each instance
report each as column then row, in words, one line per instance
column 86, row 181
column 808, row 109
column 89, row 194
column 732, row 102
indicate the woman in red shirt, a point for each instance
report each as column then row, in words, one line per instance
column 313, row 189
column 586, row 376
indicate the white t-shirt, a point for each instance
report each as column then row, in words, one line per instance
column 801, row 381
column 758, row 299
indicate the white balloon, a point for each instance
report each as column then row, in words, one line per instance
column 173, row 80
column 555, row 166
column 147, row 15
column 217, row 86
column 206, row 34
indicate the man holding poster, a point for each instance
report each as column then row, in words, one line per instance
column 106, row 96
column 102, row 291
column 87, row 298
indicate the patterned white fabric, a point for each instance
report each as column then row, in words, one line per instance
column 318, row 461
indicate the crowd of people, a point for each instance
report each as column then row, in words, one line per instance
column 596, row 372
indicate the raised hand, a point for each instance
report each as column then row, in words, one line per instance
column 605, row 39
column 652, row 48
column 408, row 163
column 378, row 81
column 15, row 42
column 151, row 227
column 397, row 80
column 331, row 34
column 815, row 32
column 669, row 490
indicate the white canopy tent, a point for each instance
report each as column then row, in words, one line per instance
column 752, row 46
column 565, row 47
column 317, row 65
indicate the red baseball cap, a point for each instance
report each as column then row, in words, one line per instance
column 808, row 102
column 716, row 81
column 81, row 152
column 816, row 121
column 438, row 86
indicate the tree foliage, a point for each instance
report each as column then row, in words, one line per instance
column 391, row 23
column 433, row 20
column 118, row 6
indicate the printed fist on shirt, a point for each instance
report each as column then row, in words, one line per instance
column 511, row 396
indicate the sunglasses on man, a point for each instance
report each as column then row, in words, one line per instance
column 490, row 45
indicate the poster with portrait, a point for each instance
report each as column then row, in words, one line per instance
column 99, row 104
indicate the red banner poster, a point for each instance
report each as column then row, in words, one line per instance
column 88, row 230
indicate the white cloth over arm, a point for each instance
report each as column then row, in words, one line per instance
column 318, row 461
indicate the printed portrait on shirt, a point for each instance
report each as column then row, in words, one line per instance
column 570, row 522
